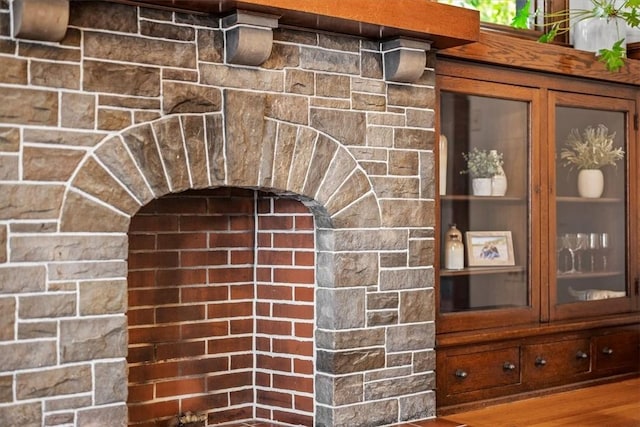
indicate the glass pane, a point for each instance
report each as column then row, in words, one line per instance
column 495, row 230
column 499, row 12
column 591, row 220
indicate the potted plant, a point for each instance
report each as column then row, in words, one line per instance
column 590, row 152
column 611, row 14
column 482, row 166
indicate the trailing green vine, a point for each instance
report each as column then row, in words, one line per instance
column 558, row 23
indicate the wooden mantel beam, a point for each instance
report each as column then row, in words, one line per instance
column 442, row 25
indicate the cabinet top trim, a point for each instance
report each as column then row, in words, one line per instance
column 524, row 331
column 503, row 49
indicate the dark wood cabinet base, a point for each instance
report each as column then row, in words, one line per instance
column 476, row 375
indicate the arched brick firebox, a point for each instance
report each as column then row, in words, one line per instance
column 374, row 298
column 221, row 309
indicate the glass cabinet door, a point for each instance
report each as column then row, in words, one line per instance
column 491, row 285
column 591, row 230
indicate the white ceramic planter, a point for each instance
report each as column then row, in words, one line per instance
column 499, row 185
column 481, row 186
column 590, row 183
column 593, row 34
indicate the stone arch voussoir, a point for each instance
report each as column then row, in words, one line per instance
column 180, row 152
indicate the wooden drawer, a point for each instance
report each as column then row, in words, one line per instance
column 555, row 362
column 481, row 370
column 470, row 375
column 617, row 351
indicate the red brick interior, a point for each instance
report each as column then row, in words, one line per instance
column 221, row 309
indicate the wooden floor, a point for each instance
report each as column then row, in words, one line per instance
column 609, row 405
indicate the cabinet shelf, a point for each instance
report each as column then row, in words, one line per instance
column 470, row 198
column 472, row 271
column 578, row 276
column 602, row 200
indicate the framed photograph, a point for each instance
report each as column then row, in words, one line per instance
column 489, row 248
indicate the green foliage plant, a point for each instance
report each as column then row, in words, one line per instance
column 592, row 150
column 494, row 11
column 482, row 163
column 560, row 22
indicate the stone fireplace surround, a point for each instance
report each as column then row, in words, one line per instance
column 137, row 104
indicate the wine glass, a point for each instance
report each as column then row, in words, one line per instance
column 583, row 245
column 571, row 243
column 605, row 246
column 594, row 250
column 561, row 256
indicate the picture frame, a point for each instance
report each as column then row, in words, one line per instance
column 489, row 248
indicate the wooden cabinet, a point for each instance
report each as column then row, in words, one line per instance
column 478, row 372
column 617, row 351
column 596, row 236
column 547, row 296
column 555, row 362
column 471, row 373
column 489, row 292
column 482, row 368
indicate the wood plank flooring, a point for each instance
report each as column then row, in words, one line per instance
column 607, row 405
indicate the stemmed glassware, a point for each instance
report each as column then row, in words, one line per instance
column 589, row 252
column 605, row 246
column 594, row 251
column 560, row 260
column 570, row 242
column 575, row 242
column 583, row 245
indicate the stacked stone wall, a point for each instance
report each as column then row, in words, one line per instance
column 135, row 104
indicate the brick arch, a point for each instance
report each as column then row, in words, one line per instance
column 179, row 152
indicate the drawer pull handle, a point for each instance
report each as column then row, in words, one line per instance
column 508, row 366
column 581, row 355
column 607, row 350
column 540, row 361
column 461, row 374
